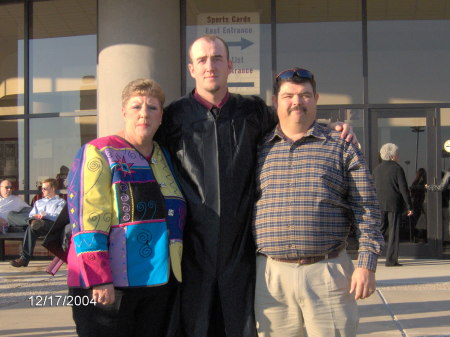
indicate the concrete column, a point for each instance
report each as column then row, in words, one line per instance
column 136, row 39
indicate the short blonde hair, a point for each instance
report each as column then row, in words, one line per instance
column 210, row 38
column 143, row 87
column 52, row 182
column 388, row 151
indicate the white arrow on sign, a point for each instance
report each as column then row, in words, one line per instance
column 244, row 43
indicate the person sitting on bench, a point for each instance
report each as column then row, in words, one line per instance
column 41, row 218
column 10, row 203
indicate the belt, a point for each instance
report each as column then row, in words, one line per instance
column 311, row 259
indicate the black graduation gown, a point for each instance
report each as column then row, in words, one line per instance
column 215, row 158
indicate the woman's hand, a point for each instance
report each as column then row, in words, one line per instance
column 104, row 294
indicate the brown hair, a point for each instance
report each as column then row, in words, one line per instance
column 294, row 79
column 143, row 87
column 52, row 182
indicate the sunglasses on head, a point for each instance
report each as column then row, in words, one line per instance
column 296, row 72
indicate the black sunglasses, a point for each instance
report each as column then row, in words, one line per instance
column 296, row 72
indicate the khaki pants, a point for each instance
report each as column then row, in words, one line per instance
column 290, row 297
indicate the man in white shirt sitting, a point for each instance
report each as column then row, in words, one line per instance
column 41, row 218
column 9, row 202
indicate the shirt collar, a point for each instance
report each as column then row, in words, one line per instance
column 207, row 104
column 54, row 197
column 316, row 130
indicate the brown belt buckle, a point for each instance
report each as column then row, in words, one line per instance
column 307, row 260
column 315, row 259
column 312, row 259
column 302, row 261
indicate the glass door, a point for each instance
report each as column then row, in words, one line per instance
column 414, row 132
column 444, row 154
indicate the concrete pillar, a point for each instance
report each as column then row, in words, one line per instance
column 136, row 39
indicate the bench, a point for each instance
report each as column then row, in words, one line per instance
column 16, row 236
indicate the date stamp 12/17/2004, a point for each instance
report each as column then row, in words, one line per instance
column 60, row 301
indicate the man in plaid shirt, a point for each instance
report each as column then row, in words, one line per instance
column 311, row 186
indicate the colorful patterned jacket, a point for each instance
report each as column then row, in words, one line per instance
column 127, row 216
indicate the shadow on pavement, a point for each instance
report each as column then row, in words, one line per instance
column 413, row 281
column 40, row 332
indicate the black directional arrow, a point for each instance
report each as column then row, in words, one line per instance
column 244, row 43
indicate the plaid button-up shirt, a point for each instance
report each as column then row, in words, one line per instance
column 309, row 192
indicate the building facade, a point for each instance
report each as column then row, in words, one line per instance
column 381, row 65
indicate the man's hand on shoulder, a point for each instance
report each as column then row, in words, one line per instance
column 346, row 131
column 363, row 283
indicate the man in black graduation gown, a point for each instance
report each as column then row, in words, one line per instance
column 212, row 136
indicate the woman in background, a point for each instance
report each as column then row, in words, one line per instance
column 443, row 187
column 418, row 194
column 393, row 195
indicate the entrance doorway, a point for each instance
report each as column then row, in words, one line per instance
column 414, row 132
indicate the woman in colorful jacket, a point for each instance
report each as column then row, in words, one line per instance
column 127, row 216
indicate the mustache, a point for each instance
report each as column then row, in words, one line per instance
column 298, row 108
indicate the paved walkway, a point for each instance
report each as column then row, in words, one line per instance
column 412, row 300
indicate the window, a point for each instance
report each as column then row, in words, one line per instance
column 325, row 38
column 63, row 56
column 11, row 42
column 47, row 87
column 408, row 51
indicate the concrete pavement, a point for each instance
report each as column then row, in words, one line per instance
column 411, row 301
column 19, row 316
